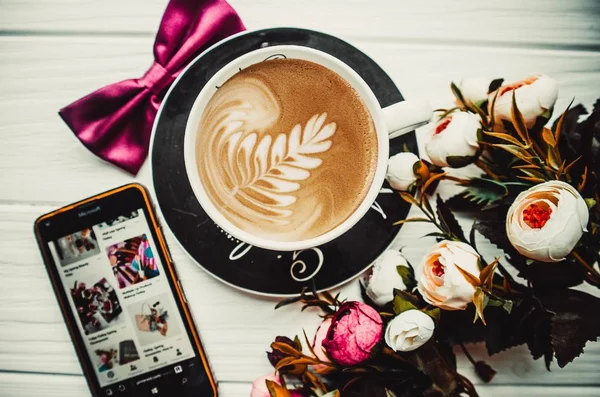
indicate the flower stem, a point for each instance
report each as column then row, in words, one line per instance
column 593, row 277
column 485, row 168
column 467, row 354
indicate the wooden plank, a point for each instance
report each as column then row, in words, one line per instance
column 35, row 385
column 555, row 23
column 236, row 328
column 42, row 74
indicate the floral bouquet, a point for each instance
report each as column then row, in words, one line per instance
column 535, row 196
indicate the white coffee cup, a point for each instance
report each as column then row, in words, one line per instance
column 390, row 122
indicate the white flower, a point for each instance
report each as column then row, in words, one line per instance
column 409, row 330
column 440, row 282
column 400, row 173
column 454, row 135
column 474, row 89
column 546, row 221
column 534, row 96
column 384, row 278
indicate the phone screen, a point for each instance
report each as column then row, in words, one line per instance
column 120, row 295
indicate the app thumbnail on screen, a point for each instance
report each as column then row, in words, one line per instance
column 76, row 246
column 97, row 305
column 132, row 261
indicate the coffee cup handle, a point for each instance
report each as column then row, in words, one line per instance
column 403, row 117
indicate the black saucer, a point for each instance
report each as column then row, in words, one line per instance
column 231, row 261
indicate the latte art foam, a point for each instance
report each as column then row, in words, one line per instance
column 286, row 150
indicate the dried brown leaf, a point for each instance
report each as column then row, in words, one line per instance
column 583, row 180
column 487, row 273
column 517, row 152
column 431, row 180
column 411, row 220
column 491, row 108
column 548, row 137
column 553, row 158
column 505, row 137
column 409, row 198
column 286, row 349
column 531, row 179
column 560, row 122
column 518, row 121
column 479, row 301
column 474, row 281
column 276, row 390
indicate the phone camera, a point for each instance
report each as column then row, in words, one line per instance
column 47, row 223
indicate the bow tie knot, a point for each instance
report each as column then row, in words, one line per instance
column 115, row 122
column 157, row 78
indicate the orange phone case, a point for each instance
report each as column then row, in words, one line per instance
column 169, row 265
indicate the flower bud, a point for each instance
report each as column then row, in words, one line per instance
column 409, row 330
column 454, row 140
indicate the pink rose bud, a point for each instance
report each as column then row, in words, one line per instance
column 355, row 330
column 259, row 386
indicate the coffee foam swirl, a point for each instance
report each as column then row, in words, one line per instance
column 258, row 175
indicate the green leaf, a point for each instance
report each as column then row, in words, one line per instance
column 434, row 313
column 508, row 306
column 402, row 305
column 407, row 296
column 590, row 202
column 447, row 219
column 460, row 161
column 494, row 85
column 574, row 323
column 408, row 276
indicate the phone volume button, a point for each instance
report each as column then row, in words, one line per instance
column 182, row 291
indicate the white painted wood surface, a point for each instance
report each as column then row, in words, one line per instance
column 54, row 51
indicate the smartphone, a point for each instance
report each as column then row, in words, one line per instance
column 120, row 296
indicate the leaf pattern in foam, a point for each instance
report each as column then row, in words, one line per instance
column 275, row 167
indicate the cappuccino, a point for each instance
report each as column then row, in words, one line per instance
column 286, row 150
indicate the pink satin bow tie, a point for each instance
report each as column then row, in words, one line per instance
column 115, row 122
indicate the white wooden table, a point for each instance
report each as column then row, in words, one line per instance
column 55, row 51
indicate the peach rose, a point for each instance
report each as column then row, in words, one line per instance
column 440, row 282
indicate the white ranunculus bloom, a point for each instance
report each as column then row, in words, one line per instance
column 409, row 330
column 454, row 135
column 400, row 173
column 440, row 282
column 534, row 96
column 384, row 277
column 546, row 221
column 474, row 89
